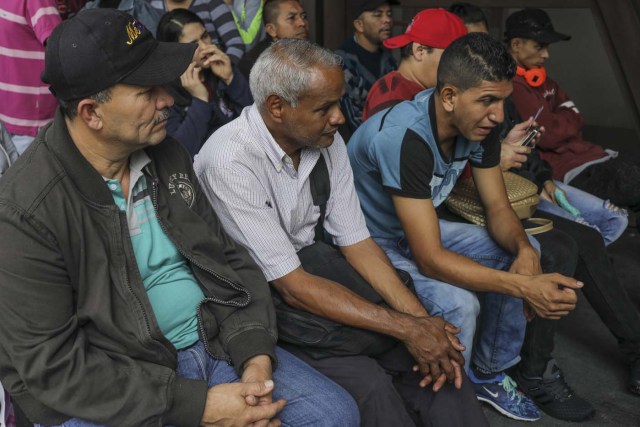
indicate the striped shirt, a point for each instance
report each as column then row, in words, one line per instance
column 219, row 23
column 265, row 204
column 25, row 25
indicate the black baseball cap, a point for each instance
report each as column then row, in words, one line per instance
column 359, row 6
column 532, row 24
column 98, row 48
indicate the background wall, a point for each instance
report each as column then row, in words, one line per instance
column 581, row 66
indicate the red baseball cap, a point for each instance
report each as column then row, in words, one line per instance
column 431, row 27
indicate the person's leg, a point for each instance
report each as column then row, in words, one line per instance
column 502, row 322
column 609, row 219
column 312, row 399
column 616, row 179
column 456, row 305
column 368, row 383
column 448, row 407
column 559, row 254
column 537, row 374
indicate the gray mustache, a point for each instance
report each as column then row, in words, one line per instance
column 164, row 115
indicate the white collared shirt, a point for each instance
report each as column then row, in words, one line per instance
column 265, row 204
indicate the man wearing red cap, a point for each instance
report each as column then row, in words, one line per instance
column 429, row 33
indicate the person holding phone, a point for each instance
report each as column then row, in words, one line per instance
column 211, row 92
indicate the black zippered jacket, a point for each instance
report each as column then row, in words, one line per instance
column 78, row 337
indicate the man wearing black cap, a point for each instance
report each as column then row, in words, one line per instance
column 584, row 165
column 365, row 60
column 123, row 301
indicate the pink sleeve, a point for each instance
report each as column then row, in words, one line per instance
column 43, row 17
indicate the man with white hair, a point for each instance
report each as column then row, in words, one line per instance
column 279, row 178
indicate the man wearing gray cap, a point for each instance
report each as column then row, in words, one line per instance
column 124, row 303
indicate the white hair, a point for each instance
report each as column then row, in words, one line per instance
column 285, row 68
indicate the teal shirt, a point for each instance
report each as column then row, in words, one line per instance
column 171, row 287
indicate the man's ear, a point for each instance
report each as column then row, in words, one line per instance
column 448, row 96
column 270, row 28
column 89, row 112
column 358, row 25
column 274, row 106
column 418, row 51
column 515, row 44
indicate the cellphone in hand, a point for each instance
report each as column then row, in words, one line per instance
column 530, row 136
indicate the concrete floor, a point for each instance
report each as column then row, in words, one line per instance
column 588, row 355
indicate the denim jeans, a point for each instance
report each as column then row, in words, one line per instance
column 608, row 219
column 312, row 399
column 502, row 323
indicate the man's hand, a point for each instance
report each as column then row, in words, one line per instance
column 512, row 156
column 218, row 62
column 550, row 188
column 226, row 405
column 190, row 80
column 551, row 296
column 436, row 349
column 258, row 369
column 517, row 133
column 527, row 262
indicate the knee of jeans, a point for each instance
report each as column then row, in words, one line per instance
column 344, row 412
column 461, row 309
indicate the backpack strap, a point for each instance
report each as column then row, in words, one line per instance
column 320, row 191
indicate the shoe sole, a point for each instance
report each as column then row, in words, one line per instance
column 504, row 411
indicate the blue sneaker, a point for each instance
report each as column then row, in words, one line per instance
column 502, row 394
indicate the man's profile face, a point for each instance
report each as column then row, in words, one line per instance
column 529, row 53
column 479, row 109
column 429, row 60
column 376, row 24
column 315, row 120
column 291, row 23
column 135, row 115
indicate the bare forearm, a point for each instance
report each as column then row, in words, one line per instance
column 370, row 261
column 506, row 229
column 456, row 269
column 333, row 301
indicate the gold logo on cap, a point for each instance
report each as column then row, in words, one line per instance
column 134, row 29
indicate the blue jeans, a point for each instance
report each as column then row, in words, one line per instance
column 608, row 219
column 312, row 399
column 502, row 321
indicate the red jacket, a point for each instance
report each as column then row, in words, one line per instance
column 562, row 144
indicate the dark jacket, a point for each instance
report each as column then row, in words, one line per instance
column 192, row 120
column 78, row 337
column 562, row 144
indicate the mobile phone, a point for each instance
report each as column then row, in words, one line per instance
column 530, row 136
column 535, row 117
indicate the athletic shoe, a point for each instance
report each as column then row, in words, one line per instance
column 503, row 395
column 553, row 395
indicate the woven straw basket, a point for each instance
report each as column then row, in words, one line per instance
column 464, row 199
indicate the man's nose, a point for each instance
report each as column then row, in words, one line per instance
column 164, row 98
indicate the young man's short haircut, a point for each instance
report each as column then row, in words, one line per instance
column 472, row 59
column 271, row 10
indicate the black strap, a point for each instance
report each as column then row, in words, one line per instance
column 320, row 191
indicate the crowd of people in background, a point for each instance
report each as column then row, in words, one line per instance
column 208, row 219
